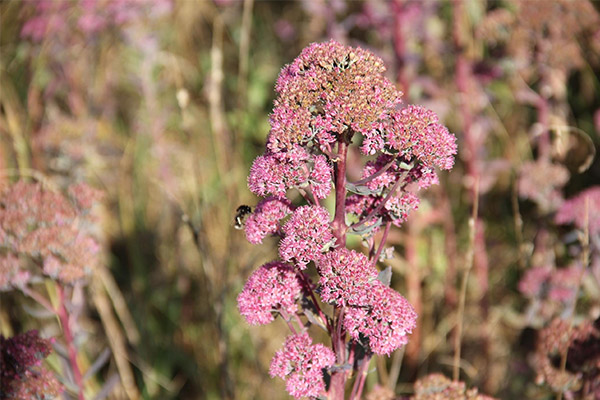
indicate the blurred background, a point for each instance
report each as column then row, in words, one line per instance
column 163, row 105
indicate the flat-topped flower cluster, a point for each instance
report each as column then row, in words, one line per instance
column 43, row 233
column 328, row 98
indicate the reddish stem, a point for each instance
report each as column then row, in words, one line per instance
column 380, row 205
column 382, row 243
column 376, row 174
column 338, row 339
column 339, row 219
column 288, row 320
column 361, row 377
column 38, row 298
column 72, row 350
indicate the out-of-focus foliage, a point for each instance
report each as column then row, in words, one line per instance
column 163, row 106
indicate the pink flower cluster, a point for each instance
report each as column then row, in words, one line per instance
column 307, row 235
column 540, row 181
column 271, row 287
column 385, row 319
column 276, row 173
column 325, row 98
column 415, row 132
column 22, row 375
column 327, row 90
column 546, row 282
column 577, row 212
column 265, row 219
column 301, row 364
column 41, row 227
column 346, row 276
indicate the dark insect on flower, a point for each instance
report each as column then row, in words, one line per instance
column 242, row 213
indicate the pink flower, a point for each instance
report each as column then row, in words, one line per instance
column 36, row 222
column 276, row 173
column 22, row 375
column 385, row 319
column 265, row 218
column 301, row 364
column 320, row 177
column 399, row 206
column 540, row 180
column 307, row 235
column 328, row 89
column 271, row 287
column 574, row 210
column 345, row 277
column 564, row 283
column 417, row 134
column 534, row 281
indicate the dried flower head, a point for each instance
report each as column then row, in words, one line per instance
column 272, row 287
column 301, row 364
column 22, row 375
column 385, row 318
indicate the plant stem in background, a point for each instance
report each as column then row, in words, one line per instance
column 463, row 287
column 69, row 339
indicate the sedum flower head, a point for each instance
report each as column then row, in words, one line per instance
column 345, row 277
column 265, row 219
column 38, row 224
column 274, row 285
column 22, row 375
column 385, row 318
column 326, row 90
column 574, row 210
column 415, row 132
column 276, row 173
column 301, row 364
column 307, row 235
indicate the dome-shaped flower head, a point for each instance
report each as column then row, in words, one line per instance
column 301, row 364
column 265, row 218
column 307, row 235
column 328, row 89
column 273, row 175
column 276, row 173
column 36, row 222
column 22, row 375
column 416, row 133
column 385, row 319
column 273, row 286
column 345, row 277
column 574, row 210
